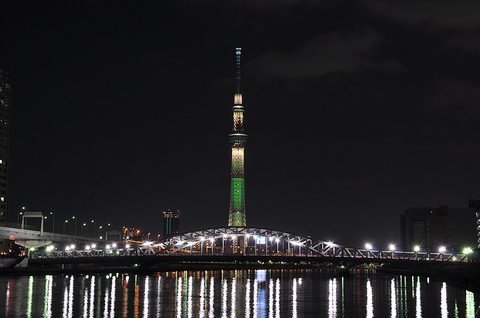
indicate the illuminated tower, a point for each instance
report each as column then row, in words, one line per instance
column 237, row 216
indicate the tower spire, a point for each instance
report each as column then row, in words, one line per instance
column 237, row 216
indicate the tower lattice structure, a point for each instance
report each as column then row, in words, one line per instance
column 238, row 139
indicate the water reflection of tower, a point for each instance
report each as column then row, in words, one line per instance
column 237, row 216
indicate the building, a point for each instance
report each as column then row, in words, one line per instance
column 237, row 216
column 171, row 223
column 5, row 99
column 429, row 228
column 475, row 203
column 131, row 234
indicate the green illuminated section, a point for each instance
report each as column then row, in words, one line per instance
column 237, row 203
column 237, row 192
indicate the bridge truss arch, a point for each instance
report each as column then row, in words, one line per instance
column 241, row 240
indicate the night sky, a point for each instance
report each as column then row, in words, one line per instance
column 355, row 111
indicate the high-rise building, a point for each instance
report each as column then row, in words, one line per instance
column 237, row 216
column 429, row 228
column 171, row 223
column 5, row 98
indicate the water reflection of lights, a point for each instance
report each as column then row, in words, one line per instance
column 92, row 294
column 470, row 304
column 190, row 295
column 255, row 298
column 47, row 306
column 201, row 312
column 369, row 299
column 332, row 298
column 211, row 309
column 224, row 297
column 179, row 297
column 294, row 298
column 30, row 296
column 393, row 299
column 233, row 306
column 270, row 298
column 443, row 304
column 247, row 299
column 277, row 298
column 145, row 296
column 418, row 303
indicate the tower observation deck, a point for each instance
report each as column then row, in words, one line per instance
column 237, row 216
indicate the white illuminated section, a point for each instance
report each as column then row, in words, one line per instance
column 332, row 298
column 237, row 99
column 393, row 299
column 238, row 157
column 443, row 304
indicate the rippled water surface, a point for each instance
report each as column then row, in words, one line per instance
column 254, row 293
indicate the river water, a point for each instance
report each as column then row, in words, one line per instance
column 232, row 294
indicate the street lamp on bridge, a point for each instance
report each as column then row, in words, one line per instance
column 64, row 223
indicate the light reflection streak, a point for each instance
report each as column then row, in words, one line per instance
column 393, row 300
column 202, row 298
column 255, row 298
column 65, row 302
column 224, row 298
column 159, row 294
column 125, row 297
column 92, row 294
column 470, row 304
column 105, row 306
column 112, row 293
column 261, row 308
column 8, row 299
column 85, row 302
column 271, row 290
column 369, row 299
column 47, row 311
column 145, row 296
column 30, row 296
column 332, row 298
column 443, row 304
column 233, row 312
column 189, row 297
column 247, row 299
column 277, row 298
column 70, row 297
column 179, row 297
column 211, row 309
column 294, row 298
column 418, row 303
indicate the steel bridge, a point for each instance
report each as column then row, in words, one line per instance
column 237, row 244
